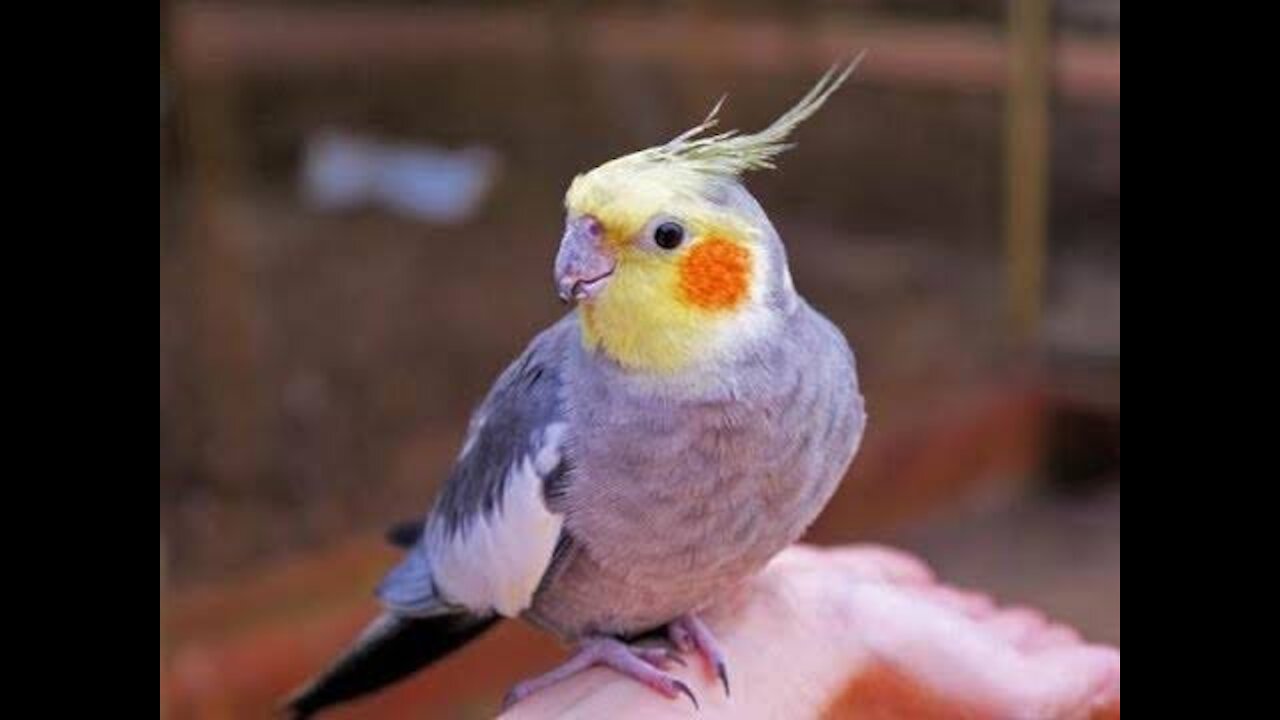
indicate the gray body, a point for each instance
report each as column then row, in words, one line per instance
column 670, row 499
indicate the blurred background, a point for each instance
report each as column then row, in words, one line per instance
column 360, row 203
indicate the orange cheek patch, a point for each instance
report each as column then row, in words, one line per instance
column 714, row 274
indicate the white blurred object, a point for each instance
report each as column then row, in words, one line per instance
column 341, row 171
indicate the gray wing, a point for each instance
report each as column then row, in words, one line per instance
column 491, row 535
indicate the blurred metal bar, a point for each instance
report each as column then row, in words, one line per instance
column 222, row 39
column 166, row 217
column 1027, row 162
column 220, row 281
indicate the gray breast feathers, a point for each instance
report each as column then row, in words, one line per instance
column 490, row 536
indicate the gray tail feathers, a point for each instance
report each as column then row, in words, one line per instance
column 391, row 648
column 410, row 588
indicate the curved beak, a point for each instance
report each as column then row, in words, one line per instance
column 584, row 263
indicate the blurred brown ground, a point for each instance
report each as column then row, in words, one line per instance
column 316, row 369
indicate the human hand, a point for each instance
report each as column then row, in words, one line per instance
column 866, row 632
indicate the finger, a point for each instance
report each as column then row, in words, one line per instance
column 1016, row 626
column 1051, row 637
column 879, row 563
column 971, row 604
column 967, row 663
column 1073, row 681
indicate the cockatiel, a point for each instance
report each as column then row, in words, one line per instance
column 685, row 422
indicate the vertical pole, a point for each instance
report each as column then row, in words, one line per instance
column 1027, row 162
column 166, row 200
column 224, row 304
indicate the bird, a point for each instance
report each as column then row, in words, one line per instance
column 684, row 421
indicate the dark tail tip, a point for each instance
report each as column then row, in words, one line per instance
column 390, row 649
column 290, row 709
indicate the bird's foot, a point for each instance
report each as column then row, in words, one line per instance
column 688, row 633
column 645, row 664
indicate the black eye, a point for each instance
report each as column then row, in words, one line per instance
column 668, row 235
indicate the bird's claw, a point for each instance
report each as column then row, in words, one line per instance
column 689, row 633
column 682, row 687
column 639, row 663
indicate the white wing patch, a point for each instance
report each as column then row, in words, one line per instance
column 499, row 559
column 473, row 431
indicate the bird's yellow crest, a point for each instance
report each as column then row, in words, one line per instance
column 663, row 309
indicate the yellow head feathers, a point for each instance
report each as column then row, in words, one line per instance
column 661, row 306
column 730, row 154
column 683, row 163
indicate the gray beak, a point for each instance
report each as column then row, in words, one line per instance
column 584, row 263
